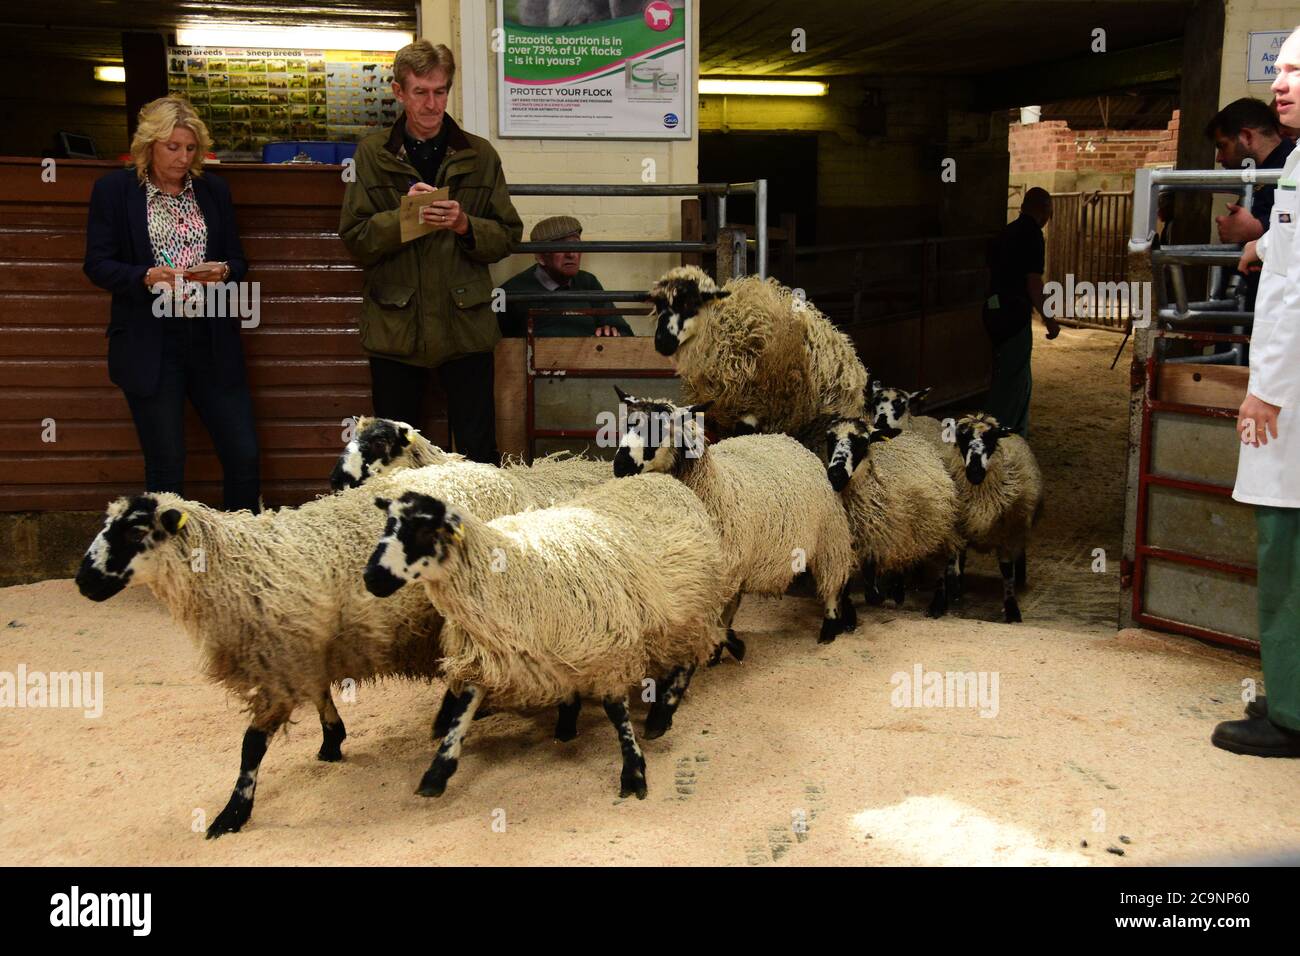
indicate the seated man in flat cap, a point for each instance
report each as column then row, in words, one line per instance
column 554, row 271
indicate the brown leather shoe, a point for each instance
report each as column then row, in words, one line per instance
column 1257, row 707
column 1256, row 737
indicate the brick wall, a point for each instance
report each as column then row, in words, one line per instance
column 1051, row 146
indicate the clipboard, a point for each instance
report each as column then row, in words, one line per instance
column 408, row 213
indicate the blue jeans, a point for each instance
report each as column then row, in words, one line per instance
column 226, row 412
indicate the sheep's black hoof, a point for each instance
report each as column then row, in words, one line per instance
column 1011, row 610
column 330, row 753
column 848, row 613
column 658, row 721
column 716, row 657
column 898, row 591
column 952, row 583
column 566, row 725
column 873, row 596
column 735, row 645
column 632, row 780
column 938, row 605
column 232, row 818
column 434, row 782
column 831, row 628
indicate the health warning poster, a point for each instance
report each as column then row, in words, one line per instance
column 612, row 69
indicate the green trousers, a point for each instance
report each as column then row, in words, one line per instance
column 1279, row 611
column 1012, row 384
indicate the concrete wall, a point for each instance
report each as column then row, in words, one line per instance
column 1241, row 18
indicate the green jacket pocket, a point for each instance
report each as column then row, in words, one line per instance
column 388, row 320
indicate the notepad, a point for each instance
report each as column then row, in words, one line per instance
column 408, row 213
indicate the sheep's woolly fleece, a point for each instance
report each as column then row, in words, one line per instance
column 763, row 352
column 594, row 595
column 282, row 611
column 998, row 513
column 770, row 498
column 548, row 480
column 902, row 505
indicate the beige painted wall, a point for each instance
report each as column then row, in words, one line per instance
column 1241, row 18
column 578, row 161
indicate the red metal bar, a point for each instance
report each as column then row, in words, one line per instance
column 1182, row 557
column 1205, row 411
column 1200, row 633
column 1185, row 484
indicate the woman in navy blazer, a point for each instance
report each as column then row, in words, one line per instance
column 161, row 225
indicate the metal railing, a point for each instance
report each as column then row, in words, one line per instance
column 1086, row 240
column 1224, row 307
column 720, row 245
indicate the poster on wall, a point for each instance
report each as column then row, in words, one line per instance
column 611, row 69
column 251, row 97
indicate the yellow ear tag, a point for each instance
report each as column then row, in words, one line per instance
column 458, row 534
column 185, row 516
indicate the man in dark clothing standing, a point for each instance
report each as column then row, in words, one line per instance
column 1016, row 263
column 427, row 302
column 1246, row 132
column 555, row 271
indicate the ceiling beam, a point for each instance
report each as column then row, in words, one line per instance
column 1090, row 75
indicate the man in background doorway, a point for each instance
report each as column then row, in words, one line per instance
column 1247, row 133
column 554, row 272
column 1016, row 263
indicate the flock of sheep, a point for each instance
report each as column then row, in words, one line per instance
column 569, row 578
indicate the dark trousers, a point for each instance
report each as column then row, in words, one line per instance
column 398, row 391
column 226, row 412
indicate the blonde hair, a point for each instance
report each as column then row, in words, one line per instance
column 156, row 121
column 422, row 57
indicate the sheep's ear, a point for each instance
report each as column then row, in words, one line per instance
column 403, row 437
column 173, row 520
column 382, row 503
column 455, row 530
column 997, row 433
column 919, row 396
column 623, row 396
column 701, row 408
column 717, row 296
column 876, row 387
column 885, row 434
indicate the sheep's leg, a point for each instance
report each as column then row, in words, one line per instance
column 1021, row 573
column 1010, row 609
column 240, row 806
column 333, row 732
column 444, row 763
column 898, row 588
column 870, row 588
column 632, row 779
column 954, row 574
column 732, row 643
column 566, row 722
column 939, row 603
column 660, row 718
column 442, row 722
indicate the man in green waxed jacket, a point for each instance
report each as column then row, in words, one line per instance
column 427, row 303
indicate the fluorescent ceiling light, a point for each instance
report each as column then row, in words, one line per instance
column 764, row 87
column 293, row 38
column 110, row 74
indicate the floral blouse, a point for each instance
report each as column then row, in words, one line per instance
column 177, row 228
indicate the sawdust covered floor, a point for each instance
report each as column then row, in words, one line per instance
column 796, row 756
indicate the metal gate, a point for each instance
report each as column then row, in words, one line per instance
column 1087, row 241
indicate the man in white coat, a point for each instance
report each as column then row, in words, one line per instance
column 1268, row 470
